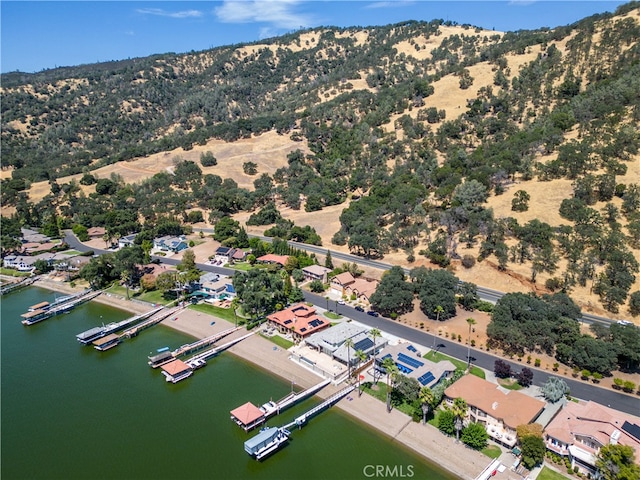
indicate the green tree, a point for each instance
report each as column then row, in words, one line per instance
column 361, row 357
column 471, row 322
column 634, row 303
column 226, row 227
column 446, row 422
column 554, row 389
column 617, row 462
column 374, row 333
column 316, row 286
column 393, row 294
column 328, row 262
column 459, row 410
column 475, row 436
column 438, row 288
column 520, row 202
column 391, row 370
column 426, row 402
column 533, row 450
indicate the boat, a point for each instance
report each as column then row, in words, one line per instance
column 90, row 335
column 35, row 316
column 156, row 361
column 266, row 442
column 163, row 349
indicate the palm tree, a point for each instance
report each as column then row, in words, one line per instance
column 375, row 333
column 390, row 367
column 426, row 399
column 349, row 343
column 125, row 276
column 438, row 310
column 459, row 410
column 361, row 356
column 470, row 321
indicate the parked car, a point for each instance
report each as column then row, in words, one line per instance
column 340, row 302
column 359, row 308
column 372, row 313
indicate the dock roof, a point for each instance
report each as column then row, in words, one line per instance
column 247, row 413
column 175, row 367
column 106, row 339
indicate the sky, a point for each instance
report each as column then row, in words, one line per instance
column 38, row 35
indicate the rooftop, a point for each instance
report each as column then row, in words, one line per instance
column 247, row 413
column 513, row 408
column 175, row 367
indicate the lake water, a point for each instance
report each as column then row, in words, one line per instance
column 70, row 411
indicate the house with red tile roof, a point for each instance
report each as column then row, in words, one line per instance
column 362, row 288
column 96, row 232
column 579, row 430
column 499, row 410
column 299, row 320
column 272, row 258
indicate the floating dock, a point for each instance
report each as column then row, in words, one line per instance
column 40, row 315
column 271, row 439
column 155, row 319
column 248, row 416
column 176, row 370
column 107, row 342
column 164, row 356
column 11, row 287
column 92, row 334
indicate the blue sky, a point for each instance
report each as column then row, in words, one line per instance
column 37, row 35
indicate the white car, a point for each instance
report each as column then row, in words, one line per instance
column 340, row 302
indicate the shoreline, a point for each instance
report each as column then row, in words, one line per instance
column 424, row 440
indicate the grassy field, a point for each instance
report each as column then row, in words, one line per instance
column 381, row 394
column 278, row 340
column 13, row 273
column 332, row 316
column 154, row 296
column 492, row 451
column 547, row 474
column 460, row 365
column 224, row 313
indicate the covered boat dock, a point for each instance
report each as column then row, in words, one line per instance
column 248, row 416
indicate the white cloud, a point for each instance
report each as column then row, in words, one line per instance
column 279, row 13
column 163, row 13
column 391, row 4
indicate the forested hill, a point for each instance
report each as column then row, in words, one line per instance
column 425, row 122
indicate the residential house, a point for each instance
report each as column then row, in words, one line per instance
column 171, row 244
column 96, row 232
column 331, row 341
column 409, row 361
column 32, row 236
column 499, row 410
column 579, row 430
column 316, row 272
column 340, row 282
column 239, row 255
column 362, row 288
column 24, row 263
column 299, row 320
column 127, row 241
column 274, row 259
column 223, row 255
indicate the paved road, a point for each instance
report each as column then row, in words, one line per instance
column 619, row 401
column 579, row 389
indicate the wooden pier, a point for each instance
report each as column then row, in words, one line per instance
column 36, row 316
column 302, row 419
column 200, row 359
column 92, row 334
column 157, row 318
column 205, row 342
column 12, row 287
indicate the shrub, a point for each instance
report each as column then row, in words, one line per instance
column 628, row 386
column 502, row 369
column 585, row 374
column 468, row 261
column 617, row 383
column 537, row 362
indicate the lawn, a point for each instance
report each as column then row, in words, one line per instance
column 153, row 296
column 278, row 340
column 547, row 474
column 224, row 313
column 332, row 316
column 381, row 394
column 460, row 365
column 492, row 451
column 13, row 273
column 510, row 383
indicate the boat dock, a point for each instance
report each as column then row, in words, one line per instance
column 11, row 287
column 92, row 334
column 36, row 316
column 164, row 356
column 301, row 420
column 271, row 439
column 107, row 342
column 200, row 359
column 249, row 416
column 175, row 370
column 155, row 319
column 205, row 342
